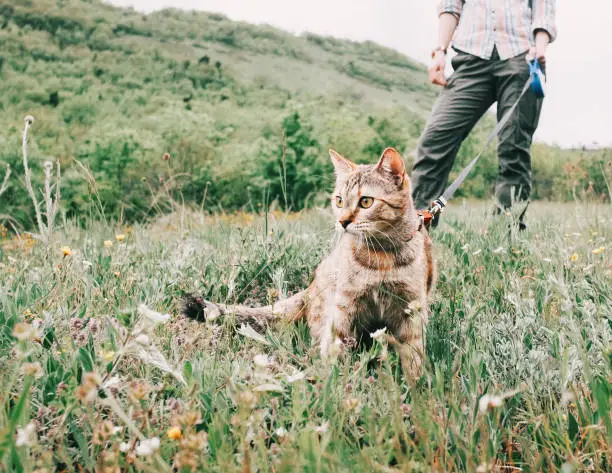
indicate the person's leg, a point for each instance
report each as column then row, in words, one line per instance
column 467, row 96
column 514, row 181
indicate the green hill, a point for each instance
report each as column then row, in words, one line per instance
column 115, row 89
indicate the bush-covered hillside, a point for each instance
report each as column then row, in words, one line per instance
column 116, row 89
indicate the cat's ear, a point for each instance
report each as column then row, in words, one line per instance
column 391, row 161
column 342, row 166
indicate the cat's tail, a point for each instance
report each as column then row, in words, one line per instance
column 290, row 309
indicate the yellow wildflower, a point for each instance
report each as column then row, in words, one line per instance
column 108, row 355
column 66, row 251
column 174, row 433
column 574, row 257
column 108, row 243
column 120, row 237
column 598, row 251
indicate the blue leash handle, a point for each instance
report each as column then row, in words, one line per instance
column 537, row 78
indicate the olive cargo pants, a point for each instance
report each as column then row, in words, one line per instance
column 473, row 87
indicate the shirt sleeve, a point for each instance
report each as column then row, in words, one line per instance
column 451, row 6
column 543, row 14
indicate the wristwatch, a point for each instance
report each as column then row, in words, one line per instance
column 439, row 48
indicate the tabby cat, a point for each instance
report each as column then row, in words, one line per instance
column 378, row 275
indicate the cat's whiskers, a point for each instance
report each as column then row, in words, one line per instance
column 387, row 237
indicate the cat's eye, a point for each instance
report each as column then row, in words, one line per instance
column 339, row 201
column 366, row 202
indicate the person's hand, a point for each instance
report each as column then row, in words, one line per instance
column 542, row 39
column 436, row 69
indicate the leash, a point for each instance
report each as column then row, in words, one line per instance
column 536, row 83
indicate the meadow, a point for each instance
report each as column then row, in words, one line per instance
column 101, row 373
column 182, row 152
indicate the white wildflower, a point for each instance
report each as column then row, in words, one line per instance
column 489, row 402
column 297, row 376
column 321, row 429
column 261, row 361
column 567, row 397
column 379, row 335
column 26, row 437
column 147, row 447
column 281, row 432
column 124, row 446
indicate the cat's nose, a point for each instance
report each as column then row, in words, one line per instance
column 345, row 222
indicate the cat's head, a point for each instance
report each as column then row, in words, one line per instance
column 371, row 199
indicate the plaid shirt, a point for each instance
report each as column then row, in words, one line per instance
column 508, row 25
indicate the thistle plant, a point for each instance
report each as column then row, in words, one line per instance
column 46, row 221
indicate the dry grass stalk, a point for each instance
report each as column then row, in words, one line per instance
column 45, row 229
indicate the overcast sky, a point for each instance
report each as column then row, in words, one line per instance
column 578, row 108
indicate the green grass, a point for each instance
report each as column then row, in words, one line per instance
column 526, row 317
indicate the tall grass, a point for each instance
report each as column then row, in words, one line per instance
column 517, row 378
